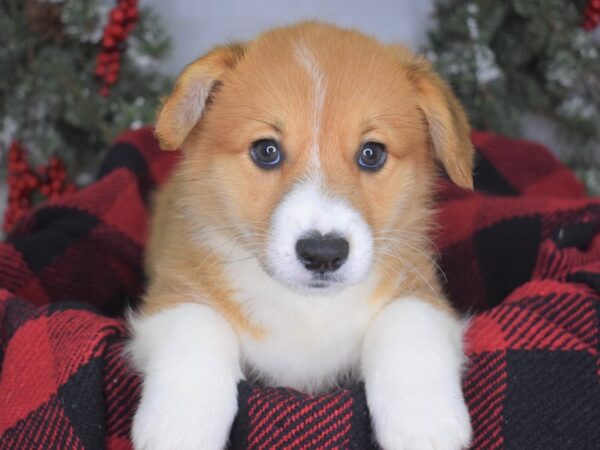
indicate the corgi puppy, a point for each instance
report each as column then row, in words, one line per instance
column 291, row 243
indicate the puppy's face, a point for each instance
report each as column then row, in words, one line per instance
column 313, row 148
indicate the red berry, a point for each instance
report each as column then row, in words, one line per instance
column 104, row 91
column 117, row 15
column 108, row 30
column 103, row 58
column 114, row 57
column 132, row 13
column 119, row 33
column 108, row 42
column 111, row 78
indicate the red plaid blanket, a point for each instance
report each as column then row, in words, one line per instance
column 521, row 253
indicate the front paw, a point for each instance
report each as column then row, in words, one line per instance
column 405, row 423
column 184, row 421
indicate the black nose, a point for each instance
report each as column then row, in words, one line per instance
column 321, row 253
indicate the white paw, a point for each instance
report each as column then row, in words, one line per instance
column 170, row 421
column 419, row 424
column 188, row 357
column 412, row 361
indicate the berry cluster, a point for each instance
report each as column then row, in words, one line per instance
column 24, row 183
column 121, row 20
column 592, row 15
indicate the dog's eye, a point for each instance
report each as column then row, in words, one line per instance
column 371, row 156
column 266, row 153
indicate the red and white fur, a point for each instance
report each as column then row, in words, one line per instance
column 228, row 297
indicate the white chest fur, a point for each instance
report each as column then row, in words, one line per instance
column 310, row 341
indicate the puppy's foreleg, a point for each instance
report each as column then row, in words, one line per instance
column 411, row 363
column 189, row 359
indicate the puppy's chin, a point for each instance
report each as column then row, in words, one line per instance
column 318, row 288
column 313, row 288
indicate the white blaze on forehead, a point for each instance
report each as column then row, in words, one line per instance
column 308, row 61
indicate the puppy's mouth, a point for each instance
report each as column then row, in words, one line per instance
column 316, row 283
column 322, row 281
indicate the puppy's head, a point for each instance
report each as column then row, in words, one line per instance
column 312, row 147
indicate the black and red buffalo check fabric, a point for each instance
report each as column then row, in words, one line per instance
column 521, row 255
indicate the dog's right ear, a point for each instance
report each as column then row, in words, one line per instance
column 184, row 107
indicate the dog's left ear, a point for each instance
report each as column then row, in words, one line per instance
column 449, row 128
column 184, row 107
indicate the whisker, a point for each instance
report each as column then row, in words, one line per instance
column 222, row 271
column 411, row 266
column 421, row 252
